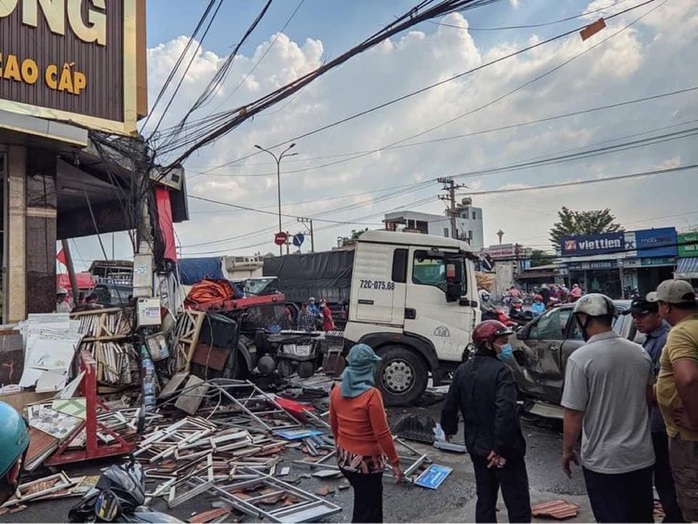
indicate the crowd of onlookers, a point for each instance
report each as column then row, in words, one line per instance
column 312, row 316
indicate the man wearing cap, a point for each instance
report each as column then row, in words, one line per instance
column 677, row 388
column 62, row 304
column 648, row 322
column 606, row 396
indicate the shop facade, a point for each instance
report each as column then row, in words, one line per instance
column 620, row 264
column 687, row 265
column 69, row 70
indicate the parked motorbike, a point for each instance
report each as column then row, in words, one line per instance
column 118, row 496
column 497, row 313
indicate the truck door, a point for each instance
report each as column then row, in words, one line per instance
column 448, row 325
column 378, row 284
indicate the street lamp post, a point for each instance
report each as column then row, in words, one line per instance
column 278, row 159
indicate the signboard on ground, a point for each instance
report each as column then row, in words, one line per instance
column 433, row 476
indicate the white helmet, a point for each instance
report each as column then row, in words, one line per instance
column 595, row 305
column 61, row 291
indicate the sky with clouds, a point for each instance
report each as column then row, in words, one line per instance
column 349, row 176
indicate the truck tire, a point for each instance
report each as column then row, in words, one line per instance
column 401, row 375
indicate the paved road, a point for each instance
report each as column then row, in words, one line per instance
column 452, row 502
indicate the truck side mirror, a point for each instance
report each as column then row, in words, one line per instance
column 453, row 291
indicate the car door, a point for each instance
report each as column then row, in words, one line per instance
column 573, row 341
column 543, row 368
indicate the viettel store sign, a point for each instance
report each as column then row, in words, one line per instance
column 583, row 245
column 74, row 60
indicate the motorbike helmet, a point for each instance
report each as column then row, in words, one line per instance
column 489, row 331
column 14, row 442
column 61, row 291
column 595, row 305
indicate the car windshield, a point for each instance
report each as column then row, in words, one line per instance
column 257, row 286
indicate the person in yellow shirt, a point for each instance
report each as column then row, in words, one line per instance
column 677, row 388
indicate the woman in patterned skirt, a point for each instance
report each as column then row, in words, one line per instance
column 360, row 427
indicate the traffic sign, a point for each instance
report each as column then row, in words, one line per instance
column 280, row 238
column 298, row 239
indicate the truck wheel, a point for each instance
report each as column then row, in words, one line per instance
column 401, row 375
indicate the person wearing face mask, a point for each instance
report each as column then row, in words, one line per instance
column 607, row 399
column 483, row 390
column 677, row 387
column 14, row 442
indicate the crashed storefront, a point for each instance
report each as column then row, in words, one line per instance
column 72, row 86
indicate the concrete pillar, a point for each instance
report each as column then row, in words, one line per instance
column 41, row 231
column 15, row 308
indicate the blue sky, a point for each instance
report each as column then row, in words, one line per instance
column 618, row 64
column 339, row 24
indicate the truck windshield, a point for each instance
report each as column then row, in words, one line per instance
column 430, row 270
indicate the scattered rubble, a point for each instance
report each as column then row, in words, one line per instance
column 557, row 509
column 224, row 438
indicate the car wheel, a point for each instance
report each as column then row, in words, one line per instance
column 401, row 375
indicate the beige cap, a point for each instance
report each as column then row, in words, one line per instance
column 673, row 292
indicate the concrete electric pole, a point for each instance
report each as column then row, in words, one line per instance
column 450, row 188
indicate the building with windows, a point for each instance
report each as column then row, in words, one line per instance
column 469, row 224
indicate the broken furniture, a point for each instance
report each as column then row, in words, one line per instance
column 94, row 445
column 249, row 496
column 106, row 334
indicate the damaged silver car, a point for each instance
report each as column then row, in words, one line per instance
column 541, row 349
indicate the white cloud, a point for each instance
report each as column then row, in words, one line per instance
column 644, row 60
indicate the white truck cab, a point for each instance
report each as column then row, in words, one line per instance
column 414, row 301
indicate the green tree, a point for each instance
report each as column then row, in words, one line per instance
column 582, row 223
column 541, row 258
column 351, row 239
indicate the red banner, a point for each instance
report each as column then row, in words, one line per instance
column 162, row 197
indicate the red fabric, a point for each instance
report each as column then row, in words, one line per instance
column 85, row 280
column 62, row 258
column 162, row 198
column 294, row 407
column 210, row 291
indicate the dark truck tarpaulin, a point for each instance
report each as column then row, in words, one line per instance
column 193, row 270
column 321, row 275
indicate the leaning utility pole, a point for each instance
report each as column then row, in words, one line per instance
column 450, row 187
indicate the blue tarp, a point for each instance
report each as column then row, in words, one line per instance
column 193, row 270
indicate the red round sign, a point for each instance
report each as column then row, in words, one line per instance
column 280, row 238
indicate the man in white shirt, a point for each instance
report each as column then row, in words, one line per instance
column 607, row 395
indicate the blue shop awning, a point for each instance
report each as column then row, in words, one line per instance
column 687, row 268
